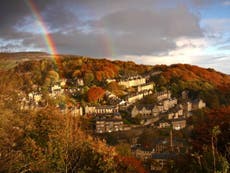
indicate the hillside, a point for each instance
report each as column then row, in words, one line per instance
column 43, row 140
column 187, row 72
column 10, row 60
column 36, row 91
column 23, row 55
column 208, row 84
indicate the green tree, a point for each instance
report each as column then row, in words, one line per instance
column 88, row 78
column 123, row 149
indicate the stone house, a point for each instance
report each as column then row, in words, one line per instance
column 138, row 96
column 112, row 98
column 161, row 160
column 80, row 82
column 164, row 95
column 100, row 110
column 76, row 111
column 26, row 104
column 176, row 113
column 56, row 89
column 109, row 125
column 157, row 109
column 142, row 110
column 198, row 104
column 163, row 124
column 134, row 97
column 142, row 154
column 110, row 80
column 179, row 124
column 132, row 81
column 144, row 87
column 147, row 92
column 169, row 103
column 72, row 110
column 147, row 110
column 187, row 106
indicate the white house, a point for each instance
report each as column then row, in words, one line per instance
column 133, row 81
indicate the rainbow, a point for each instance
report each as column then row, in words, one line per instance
column 105, row 38
column 107, row 44
column 47, row 36
column 107, row 41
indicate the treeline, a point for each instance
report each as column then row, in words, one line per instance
column 211, row 86
column 91, row 70
column 48, row 141
column 209, row 140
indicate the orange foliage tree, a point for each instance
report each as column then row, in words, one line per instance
column 202, row 132
column 129, row 164
column 95, row 93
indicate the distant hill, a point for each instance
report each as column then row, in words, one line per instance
column 206, row 83
column 23, row 55
column 10, row 60
column 191, row 73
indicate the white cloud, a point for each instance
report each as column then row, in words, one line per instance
column 189, row 51
column 185, row 52
column 216, row 25
column 226, row 3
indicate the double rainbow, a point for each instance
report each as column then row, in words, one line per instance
column 47, row 36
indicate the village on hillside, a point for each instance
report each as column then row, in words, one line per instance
column 127, row 113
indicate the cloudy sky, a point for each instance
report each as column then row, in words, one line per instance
column 145, row 31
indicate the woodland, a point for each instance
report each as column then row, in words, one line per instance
column 45, row 140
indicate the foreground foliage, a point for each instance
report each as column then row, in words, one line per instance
column 48, row 141
column 210, row 141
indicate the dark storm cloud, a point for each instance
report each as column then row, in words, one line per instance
column 167, row 23
column 12, row 11
column 34, row 40
column 132, row 31
column 54, row 13
column 15, row 15
column 59, row 16
column 90, row 27
column 137, row 32
column 76, row 42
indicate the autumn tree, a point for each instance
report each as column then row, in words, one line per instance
column 129, row 164
column 88, row 78
column 76, row 74
column 95, row 94
column 48, row 141
column 123, row 149
column 211, row 137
